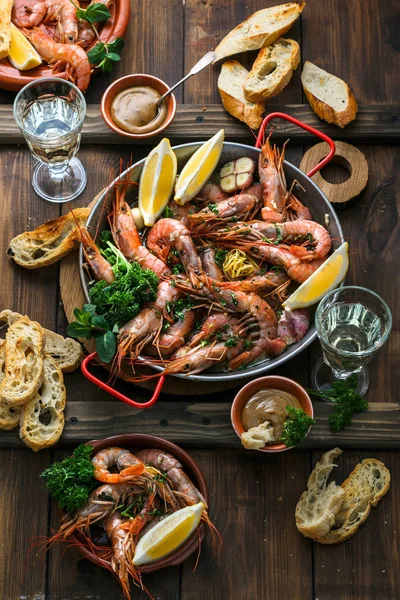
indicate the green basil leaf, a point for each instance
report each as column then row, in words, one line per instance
column 97, row 53
column 101, row 322
column 90, row 309
column 79, row 330
column 113, row 56
column 106, row 346
column 106, row 65
column 95, row 13
column 78, row 314
column 116, row 46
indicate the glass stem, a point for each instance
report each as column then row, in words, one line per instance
column 57, row 169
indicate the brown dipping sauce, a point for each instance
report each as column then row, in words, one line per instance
column 135, row 110
column 268, row 405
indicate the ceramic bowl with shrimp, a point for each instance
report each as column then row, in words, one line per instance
column 135, row 443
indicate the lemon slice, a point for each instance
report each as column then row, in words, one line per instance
column 199, row 168
column 157, row 181
column 22, row 55
column 325, row 279
column 168, row 534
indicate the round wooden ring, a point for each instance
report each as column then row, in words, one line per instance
column 347, row 156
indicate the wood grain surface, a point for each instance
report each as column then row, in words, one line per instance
column 253, row 496
column 374, row 124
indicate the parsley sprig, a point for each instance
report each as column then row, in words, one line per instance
column 346, row 402
column 296, row 426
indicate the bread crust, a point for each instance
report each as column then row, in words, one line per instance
column 23, row 362
column 251, row 34
column 5, row 30
column 286, row 68
column 232, row 76
column 357, row 501
column 49, row 242
column 50, row 399
column 9, row 415
column 325, row 111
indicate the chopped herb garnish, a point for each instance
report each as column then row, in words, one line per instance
column 213, row 208
column 296, row 426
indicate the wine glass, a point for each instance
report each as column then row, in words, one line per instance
column 352, row 324
column 50, row 114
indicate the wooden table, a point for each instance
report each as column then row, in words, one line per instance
column 252, row 496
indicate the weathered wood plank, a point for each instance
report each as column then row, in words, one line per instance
column 23, row 518
column 198, row 122
column 208, row 424
column 252, row 504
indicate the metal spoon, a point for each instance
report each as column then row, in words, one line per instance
column 206, row 60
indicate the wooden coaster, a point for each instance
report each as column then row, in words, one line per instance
column 347, row 156
column 72, row 296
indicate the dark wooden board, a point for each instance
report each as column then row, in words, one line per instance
column 208, row 424
column 374, row 124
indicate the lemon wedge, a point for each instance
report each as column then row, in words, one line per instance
column 325, row 279
column 157, row 181
column 199, row 168
column 22, row 55
column 168, row 534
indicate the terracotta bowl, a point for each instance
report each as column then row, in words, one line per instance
column 135, row 442
column 14, row 80
column 128, row 81
column 262, row 383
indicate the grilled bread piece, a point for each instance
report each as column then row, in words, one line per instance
column 23, row 372
column 42, row 419
column 49, row 242
column 272, row 70
column 329, row 97
column 230, row 85
column 67, row 352
column 319, row 504
column 260, row 29
column 364, row 487
column 9, row 415
column 5, row 30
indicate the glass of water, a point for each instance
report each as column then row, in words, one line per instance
column 352, row 324
column 50, row 114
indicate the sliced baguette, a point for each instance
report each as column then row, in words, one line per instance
column 272, row 70
column 23, row 372
column 260, row 29
column 364, row 487
column 230, row 85
column 49, row 242
column 5, row 26
column 42, row 418
column 329, row 97
column 319, row 504
column 9, row 415
column 67, row 352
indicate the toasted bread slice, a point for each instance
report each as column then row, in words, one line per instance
column 230, row 85
column 319, row 504
column 272, row 70
column 23, row 372
column 260, row 29
column 364, row 487
column 329, row 97
column 49, row 242
column 67, row 352
column 42, row 418
column 9, row 415
column 5, row 29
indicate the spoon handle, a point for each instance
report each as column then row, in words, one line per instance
column 205, row 60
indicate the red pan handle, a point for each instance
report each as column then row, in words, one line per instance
column 278, row 115
column 104, row 386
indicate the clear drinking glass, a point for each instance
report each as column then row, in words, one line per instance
column 352, row 324
column 50, row 114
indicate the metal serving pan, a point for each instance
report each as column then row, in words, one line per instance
column 322, row 212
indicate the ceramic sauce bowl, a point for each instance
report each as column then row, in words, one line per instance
column 262, row 383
